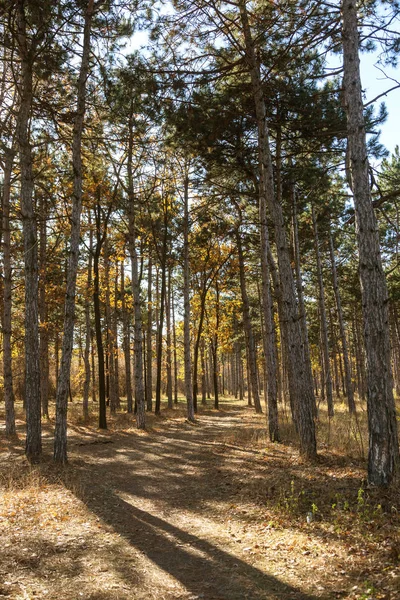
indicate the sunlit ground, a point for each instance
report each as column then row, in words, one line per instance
column 210, row 510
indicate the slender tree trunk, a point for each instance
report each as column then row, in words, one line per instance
column 149, row 382
column 346, row 361
column 160, row 332
column 33, row 447
column 186, row 304
column 283, row 334
column 88, row 326
column 57, row 354
column 300, row 294
column 248, row 328
column 99, row 336
column 115, row 348
column 175, row 351
column 109, row 331
column 92, row 339
column 43, row 312
column 7, row 299
column 127, row 343
column 323, row 319
column 214, row 347
column 203, row 372
column 60, row 437
column 169, row 342
column 240, row 373
column 248, row 377
column 383, row 456
column 138, row 337
column 300, row 377
column 208, row 370
column 203, row 296
column 359, row 358
column 335, row 354
column 223, row 374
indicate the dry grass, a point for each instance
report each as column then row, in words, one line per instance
column 63, row 535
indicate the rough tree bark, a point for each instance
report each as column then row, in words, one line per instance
column 186, row 302
column 138, row 332
column 214, row 349
column 109, row 331
column 175, row 351
column 88, row 326
column 43, row 311
column 149, row 354
column 300, row 378
column 383, row 456
column 60, row 436
column 33, row 447
column 126, row 343
column 163, row 265
column 7, row 296
column 169, row 341
column 100, row 236
column 115, row 348
column 300, row 293
column 323, row 319
column 248, row 328
column 346, row 361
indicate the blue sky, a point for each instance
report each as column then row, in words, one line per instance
column 375, row 83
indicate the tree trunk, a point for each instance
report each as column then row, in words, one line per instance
column 100, row 236
column 160, row 327
column 203, row 296
column 346, row 361
column 300, row 294
column 208, row 371
column 92, row 338
column 88, row 326
column 248, row 328
column 7, row 298
column 60, row 436
column 359, row 358
column 383, row 456
column 214, row 347
column 138, row 337
column 323, row 319
column 43, row 313
column 115, row 348
column 203, row 372
column 33, row 447
column 175, row 351
column 57, row 354
column 149, row 382
column 100, row 347
column 396, row 349
column 300, row 378
column 249, row 401
column 169, row 341
column 126, row 343
column 186, row 304
column 110, row 363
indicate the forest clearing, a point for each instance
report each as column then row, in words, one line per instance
column 208, row 510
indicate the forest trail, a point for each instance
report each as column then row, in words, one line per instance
column 178, row 512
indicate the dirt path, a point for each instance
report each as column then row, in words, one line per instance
column 177, row 513
column 170, row 497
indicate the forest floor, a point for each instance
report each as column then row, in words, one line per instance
column 208, row 511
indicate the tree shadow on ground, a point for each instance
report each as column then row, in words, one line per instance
column 204, row 569
column 174, row 472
